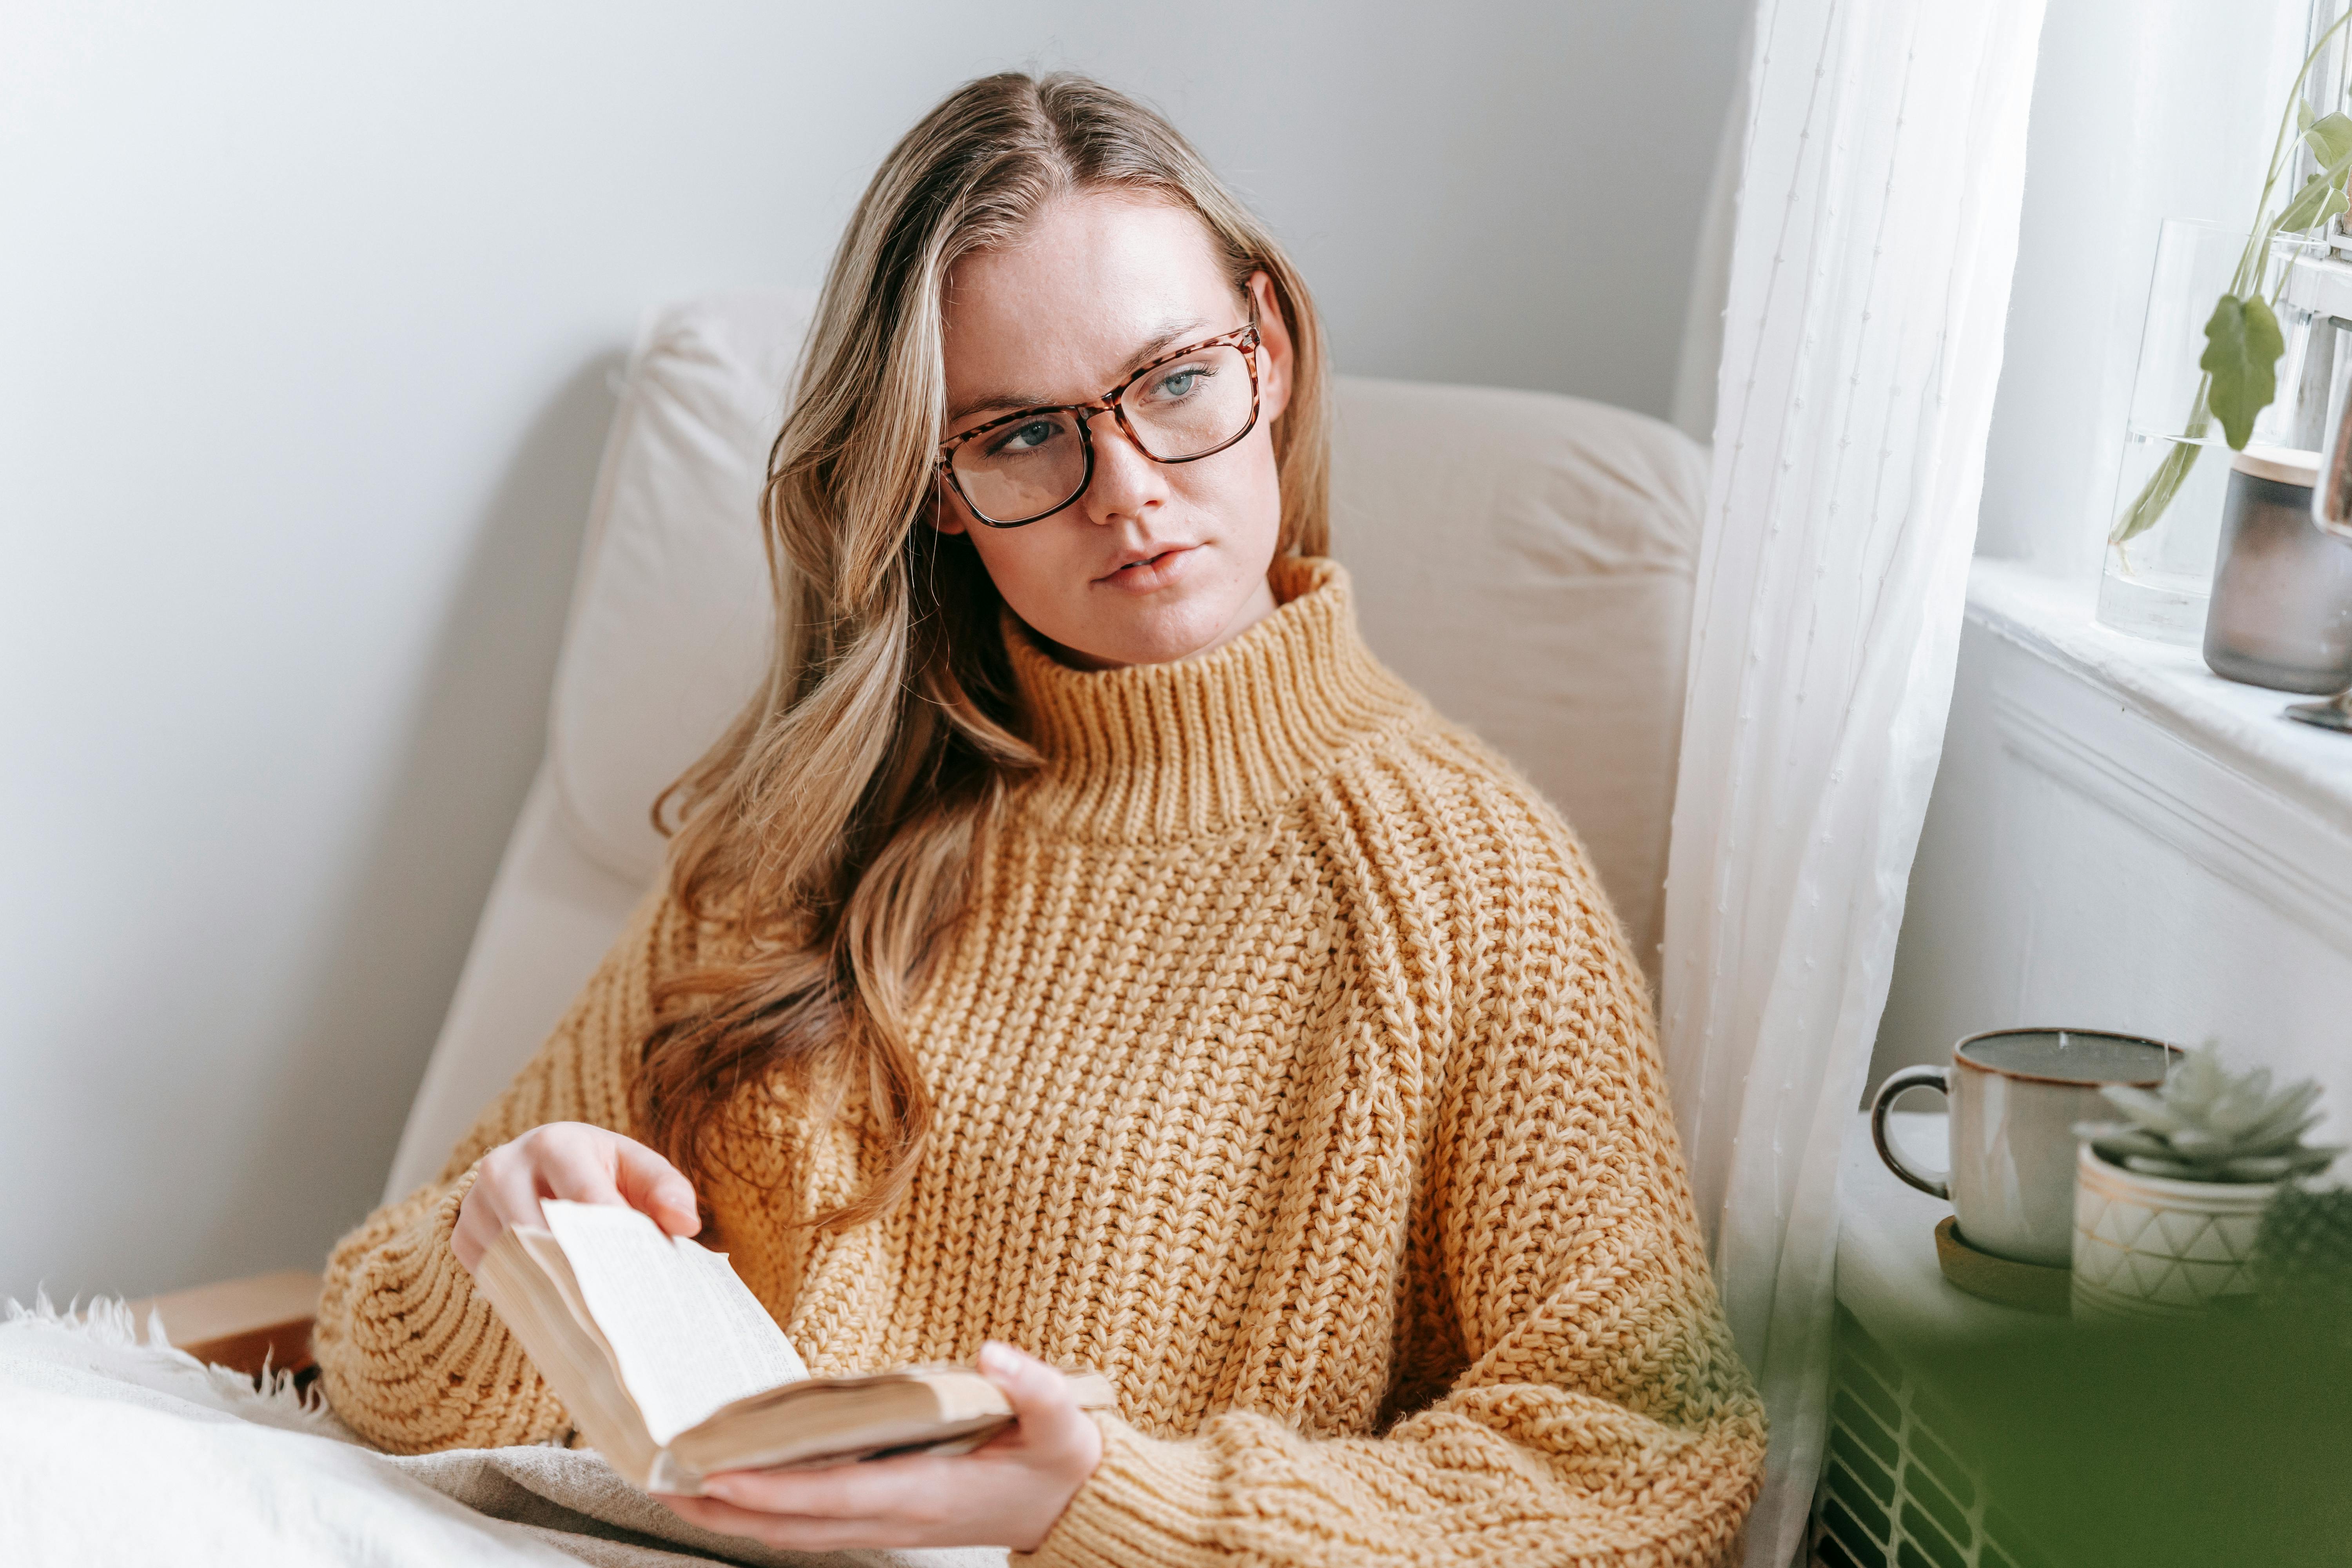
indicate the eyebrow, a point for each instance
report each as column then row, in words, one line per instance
column 1170, row 333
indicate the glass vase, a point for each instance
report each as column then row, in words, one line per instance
column 2165, row 523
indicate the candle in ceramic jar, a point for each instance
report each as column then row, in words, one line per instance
column 2281, row 614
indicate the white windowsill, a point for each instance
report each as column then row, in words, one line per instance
column 2242, row 728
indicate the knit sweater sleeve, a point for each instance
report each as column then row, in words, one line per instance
column 411, row 1356
column 1597, row 1413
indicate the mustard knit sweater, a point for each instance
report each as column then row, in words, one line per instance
column 1289, row 1067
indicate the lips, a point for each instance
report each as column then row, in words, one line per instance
column 1143, row 573
column 1156, row 559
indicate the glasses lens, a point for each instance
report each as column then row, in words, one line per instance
column 1019, row 470
column 1192, row 405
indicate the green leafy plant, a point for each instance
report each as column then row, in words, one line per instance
column 2243, row 345
column 2242, row 341
column 2209, row 1124
column 2304, row 1254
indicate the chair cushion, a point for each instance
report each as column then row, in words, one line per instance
column 1525, row 560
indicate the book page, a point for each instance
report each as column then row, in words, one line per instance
column 689, row 1335
column 528, row 1282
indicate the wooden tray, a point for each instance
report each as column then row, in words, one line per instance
column 2030, row 1287
column 241, row 1323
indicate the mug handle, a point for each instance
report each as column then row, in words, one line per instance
column 1938, row 1185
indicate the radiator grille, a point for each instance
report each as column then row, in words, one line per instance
column 1892, row 1495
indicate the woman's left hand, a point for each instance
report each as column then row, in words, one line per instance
column 1007, row 1492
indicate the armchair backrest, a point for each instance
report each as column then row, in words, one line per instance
column 1524, row 559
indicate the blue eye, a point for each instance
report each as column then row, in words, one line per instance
column 1023, row 438
column 1179, row 383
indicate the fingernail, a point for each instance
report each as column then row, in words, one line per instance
column 996, row 1357
column 723, row 1490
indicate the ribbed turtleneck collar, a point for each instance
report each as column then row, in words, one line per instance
column 1156, row 751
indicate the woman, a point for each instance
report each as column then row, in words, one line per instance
column 1083, row 944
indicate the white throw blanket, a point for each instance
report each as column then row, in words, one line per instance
column 115, row 1451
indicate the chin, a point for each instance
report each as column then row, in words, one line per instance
column 1147, row 634
column 1162, row 635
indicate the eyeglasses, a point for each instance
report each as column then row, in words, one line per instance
column 1182, row 408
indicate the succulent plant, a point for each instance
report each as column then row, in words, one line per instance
column 2208, row 1124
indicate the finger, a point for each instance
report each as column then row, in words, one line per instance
column 652, row 1186
column 503, row 1194
column 1040, row 1396
column 911, row 1487
column 512, row 1191
column 794, row 1532
column 1051, row 1434
column 474, row 1233
column 578, row 1172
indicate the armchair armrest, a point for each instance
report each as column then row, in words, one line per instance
column 242, row 1323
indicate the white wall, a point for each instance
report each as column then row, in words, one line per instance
column 305, row 313
column 2083, row 867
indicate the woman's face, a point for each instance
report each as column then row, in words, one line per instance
column 1155, row 561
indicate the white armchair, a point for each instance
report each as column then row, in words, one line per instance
column 1524, row 559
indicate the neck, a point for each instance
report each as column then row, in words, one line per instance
column 1159, row 751
column 1253, row 609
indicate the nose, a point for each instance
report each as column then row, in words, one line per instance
column 1127, row 484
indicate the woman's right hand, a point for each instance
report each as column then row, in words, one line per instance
column 568, row 1160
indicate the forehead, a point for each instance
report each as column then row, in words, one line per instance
column 1094, row 278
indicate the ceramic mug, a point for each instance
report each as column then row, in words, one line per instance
column 2015, row 1096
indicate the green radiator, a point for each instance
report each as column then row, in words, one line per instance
column 1892, row 1495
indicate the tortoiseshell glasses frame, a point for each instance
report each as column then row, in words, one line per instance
column 1244, row 338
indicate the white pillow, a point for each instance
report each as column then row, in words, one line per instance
column 672, row 617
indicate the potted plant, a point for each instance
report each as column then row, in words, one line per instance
column 2169, row 1202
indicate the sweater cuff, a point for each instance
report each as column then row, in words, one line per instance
column 413, row 1359
column 421, row 1269
column 1149, row 1504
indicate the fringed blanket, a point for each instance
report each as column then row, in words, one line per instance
column 119, row 1450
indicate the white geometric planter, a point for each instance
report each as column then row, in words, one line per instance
column 2155, row 1246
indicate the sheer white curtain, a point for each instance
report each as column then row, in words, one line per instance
column 1871, row 249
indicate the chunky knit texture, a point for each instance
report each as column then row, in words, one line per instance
column 1289, row 1067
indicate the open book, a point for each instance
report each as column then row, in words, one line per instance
column 673, row 1372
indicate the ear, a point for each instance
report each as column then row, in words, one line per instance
column 1276, row 358
column 945, row 510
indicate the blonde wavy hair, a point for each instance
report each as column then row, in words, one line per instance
column 830, row 830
